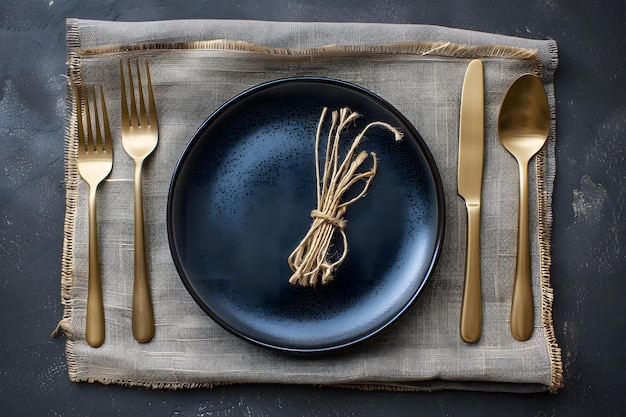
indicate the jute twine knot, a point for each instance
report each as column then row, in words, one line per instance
column 309, row 260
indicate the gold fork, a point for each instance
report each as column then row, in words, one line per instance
column 140, row 136
column 95, row 160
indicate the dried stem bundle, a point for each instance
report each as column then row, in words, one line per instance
column 309, row 260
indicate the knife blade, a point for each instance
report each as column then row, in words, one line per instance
column 469, row 184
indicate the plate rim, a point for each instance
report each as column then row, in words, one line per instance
column 432, row 169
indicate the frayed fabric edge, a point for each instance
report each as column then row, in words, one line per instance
column 546, row 169
column 444, row 49
column 71, row 197
column 424, row 386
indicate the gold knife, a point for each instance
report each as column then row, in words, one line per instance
column 470, row 178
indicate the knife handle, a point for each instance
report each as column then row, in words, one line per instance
column 471, row 309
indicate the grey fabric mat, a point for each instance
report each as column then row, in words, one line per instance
column 196, row 66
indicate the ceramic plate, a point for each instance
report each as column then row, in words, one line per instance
column 239, row 203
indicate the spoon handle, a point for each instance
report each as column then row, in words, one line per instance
column 522, row 303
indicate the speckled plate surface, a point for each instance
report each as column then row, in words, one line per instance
column 239, row 203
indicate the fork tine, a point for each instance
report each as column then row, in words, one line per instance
column 81, row 127
column 108, row 142
column 125, row 121
column 96, row 126
column 90, row 139
column 142, row 104
column 102, row 131
column 152, row 105
column 133, row 105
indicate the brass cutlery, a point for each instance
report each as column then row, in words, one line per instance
column 523, row 126
column 470, row 176
column 139, row 138
column 95, row 160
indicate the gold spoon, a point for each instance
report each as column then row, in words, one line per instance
column 523, row 126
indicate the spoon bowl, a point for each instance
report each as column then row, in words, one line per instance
column 523, row 127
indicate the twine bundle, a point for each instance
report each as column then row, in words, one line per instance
column 309, row 261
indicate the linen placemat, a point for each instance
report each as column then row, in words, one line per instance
column 197, row 65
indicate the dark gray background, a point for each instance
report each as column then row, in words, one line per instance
column 588, row 268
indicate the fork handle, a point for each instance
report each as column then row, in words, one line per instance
column 143, row 315
column 95, row 306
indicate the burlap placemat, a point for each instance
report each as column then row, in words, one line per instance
column 198, row 65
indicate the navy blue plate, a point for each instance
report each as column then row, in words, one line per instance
column 239, row 203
